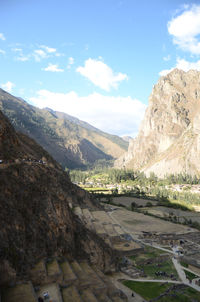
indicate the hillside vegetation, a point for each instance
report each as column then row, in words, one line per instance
column 73, row 143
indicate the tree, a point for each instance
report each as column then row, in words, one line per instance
column 133, row 206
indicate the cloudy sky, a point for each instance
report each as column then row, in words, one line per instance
column 95, row 59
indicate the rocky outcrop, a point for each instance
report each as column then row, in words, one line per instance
column 169, row 136
column 36, row 210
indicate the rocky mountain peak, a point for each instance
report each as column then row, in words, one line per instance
column 173, row 110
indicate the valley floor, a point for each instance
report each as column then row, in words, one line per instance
column 159, row 261
column 176, row 242
column 160, row 247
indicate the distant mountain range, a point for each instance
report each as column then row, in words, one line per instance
column 72, row 142
column 169, row 138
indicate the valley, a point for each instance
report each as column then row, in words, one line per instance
column 156, row 254
column 72, row 142
column 122, row 232
column 100, row 151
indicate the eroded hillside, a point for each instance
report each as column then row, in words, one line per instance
column 36, row 210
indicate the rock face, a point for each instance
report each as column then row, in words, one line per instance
column 36, row 220
column 169, row 137
column 73, row 143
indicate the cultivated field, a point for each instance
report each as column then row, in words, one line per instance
column 181, row 215
column 127, row 201
column 136, row 223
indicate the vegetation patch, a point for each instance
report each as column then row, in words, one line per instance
column 190, row 276
column 161, row 270
column 155, row 264
column 184, row 264
column 148, row 290
column 165, row 291
column 186, row 295
column 149, row 253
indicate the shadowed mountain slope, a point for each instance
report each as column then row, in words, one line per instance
column 36, row 210
column 73, row 143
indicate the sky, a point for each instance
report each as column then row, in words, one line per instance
column 96, row 60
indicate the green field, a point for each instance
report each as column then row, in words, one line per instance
column 151, row 290
column 148, row 290
column 190, row 276
column 184, row 264
column 150, row 269
column 166, row 266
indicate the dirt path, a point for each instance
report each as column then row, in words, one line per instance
column 182, row 275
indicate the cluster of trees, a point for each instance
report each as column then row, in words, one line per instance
column 122, row 175
column 112, row 175
column 182, row 178
column 117, row 175
column 78, row 176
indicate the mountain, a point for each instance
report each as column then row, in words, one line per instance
column 37, row 220
column 126, row 138
column 169, row 136
column 73, row 143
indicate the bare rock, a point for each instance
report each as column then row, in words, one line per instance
column 169, row 136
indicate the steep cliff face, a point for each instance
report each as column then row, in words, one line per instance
column 168, row 140
column 36, row 220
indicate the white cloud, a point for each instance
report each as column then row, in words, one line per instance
column 185, row 29
column 45, row 52
column 23, row 58
column 2, row 52
column 39, row 54
column 183, row 65
column 70, row 62
column 167, row 58
column 48, row 49
column 42, row 52
column 57, row 54
column 117, row 115
column 17, row 49
column 53, row 68
column 2, row 37
column 165, row 72
column 8, row 86
column 186, row 65
column 101, row 74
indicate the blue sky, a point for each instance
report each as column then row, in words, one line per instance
column 95, row 59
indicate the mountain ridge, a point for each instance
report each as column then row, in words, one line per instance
column 62, row 135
